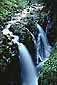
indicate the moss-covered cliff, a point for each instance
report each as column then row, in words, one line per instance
column 49, row 74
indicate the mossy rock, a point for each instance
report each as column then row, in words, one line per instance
column 49, row 74
column 9, row 61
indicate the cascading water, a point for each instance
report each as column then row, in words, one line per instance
column 28, row 72
column 43, row 47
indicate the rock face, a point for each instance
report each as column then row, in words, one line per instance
column 9, row 68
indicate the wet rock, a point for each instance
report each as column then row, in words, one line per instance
column 1, row 27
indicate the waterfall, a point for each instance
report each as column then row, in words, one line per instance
column 28, row 72
column 6, row 30
column 43, row 47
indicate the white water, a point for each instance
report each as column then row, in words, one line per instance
column 28, row 72
column 45, row 51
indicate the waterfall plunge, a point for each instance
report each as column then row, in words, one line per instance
column 28, row 72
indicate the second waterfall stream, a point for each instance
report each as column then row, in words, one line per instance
column 29, row 71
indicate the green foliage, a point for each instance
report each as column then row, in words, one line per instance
column 21, row 3
column 9, row 63
column 7, row 6
column 51, row 64
column 6, row 52
column 49, row 74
